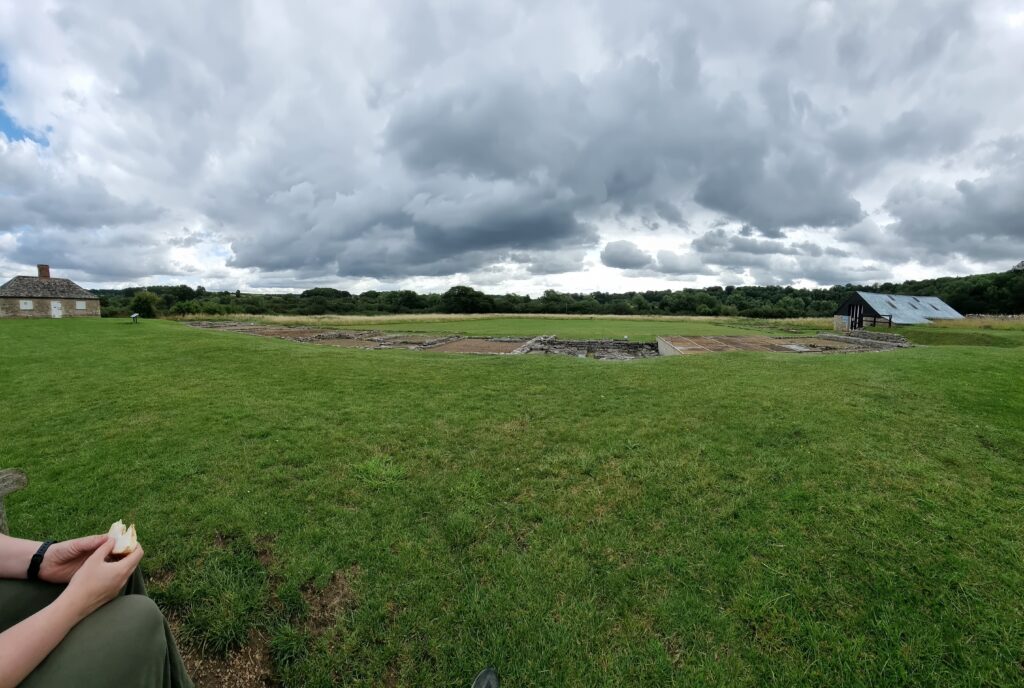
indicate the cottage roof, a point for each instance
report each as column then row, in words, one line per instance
column 37, row 288
column 910, row 310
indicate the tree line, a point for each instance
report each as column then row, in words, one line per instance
column 994, row 293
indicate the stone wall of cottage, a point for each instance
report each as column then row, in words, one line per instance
column 11, row 308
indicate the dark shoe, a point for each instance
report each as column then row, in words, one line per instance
column 488, row 678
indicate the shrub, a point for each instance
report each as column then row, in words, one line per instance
column 145, row 303
column 186, row 307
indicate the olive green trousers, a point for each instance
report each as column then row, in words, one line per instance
column 126, row 643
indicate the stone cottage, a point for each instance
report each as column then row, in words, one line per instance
column 46, row 297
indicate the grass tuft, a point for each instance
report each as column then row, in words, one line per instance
column 220, row 599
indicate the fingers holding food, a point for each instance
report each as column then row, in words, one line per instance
column 125, row 540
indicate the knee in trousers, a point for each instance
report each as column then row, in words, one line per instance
column 137, row 618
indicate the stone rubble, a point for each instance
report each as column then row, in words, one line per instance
column 601, row 349
column 887, row 337
column 867, row 342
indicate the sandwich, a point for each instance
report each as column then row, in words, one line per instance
column 124, row 539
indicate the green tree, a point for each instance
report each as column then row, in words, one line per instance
column 640, row 304
column 402, row 301
column 463, row 299
column 326, row 292
column 146, row 304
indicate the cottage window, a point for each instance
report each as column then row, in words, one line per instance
column 79, row 305
column 25, row 305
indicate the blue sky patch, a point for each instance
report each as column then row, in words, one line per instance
column 8, row 127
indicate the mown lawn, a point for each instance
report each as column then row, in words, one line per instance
column 939, row 335
column 388, row 517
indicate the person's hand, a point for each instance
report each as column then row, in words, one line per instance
column 98, row 581
column 62, row 559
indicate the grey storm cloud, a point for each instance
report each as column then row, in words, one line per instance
column 978, row 217
column 718, row 242
column 35, row 191
column 628, row 256
column 457, row 139
column 550, row 262
column 436, row 233
column 125, row 253
column 625, row 255
column 774, row 261
column 672, row 263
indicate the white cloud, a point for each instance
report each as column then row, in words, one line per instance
column 578, row 146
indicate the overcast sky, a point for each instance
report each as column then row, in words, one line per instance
column 513, row 146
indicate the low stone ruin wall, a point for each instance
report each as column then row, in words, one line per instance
column 870, row 342
column 887, row 337
column 603, row 349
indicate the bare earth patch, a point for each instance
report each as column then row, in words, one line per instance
column 162, row 578
column 479, row 346
column 325, row 605
column 247, row 667
column 704, row 345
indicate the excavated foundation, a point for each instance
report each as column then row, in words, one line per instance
column 601, row 349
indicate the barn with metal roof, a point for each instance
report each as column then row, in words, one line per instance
column 894, row 309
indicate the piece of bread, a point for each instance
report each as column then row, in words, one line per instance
column 125, row 541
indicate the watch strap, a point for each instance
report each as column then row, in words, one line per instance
column 37, row 560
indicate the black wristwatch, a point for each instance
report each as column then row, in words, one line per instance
column 37, row 560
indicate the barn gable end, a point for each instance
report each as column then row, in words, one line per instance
column 900, row 309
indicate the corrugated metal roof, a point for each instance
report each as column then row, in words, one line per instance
column 39, row 288
column 910, row 310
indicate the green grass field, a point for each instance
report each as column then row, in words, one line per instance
column 958, row 336
column 395, row 518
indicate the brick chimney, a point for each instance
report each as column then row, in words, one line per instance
column 44, row 271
